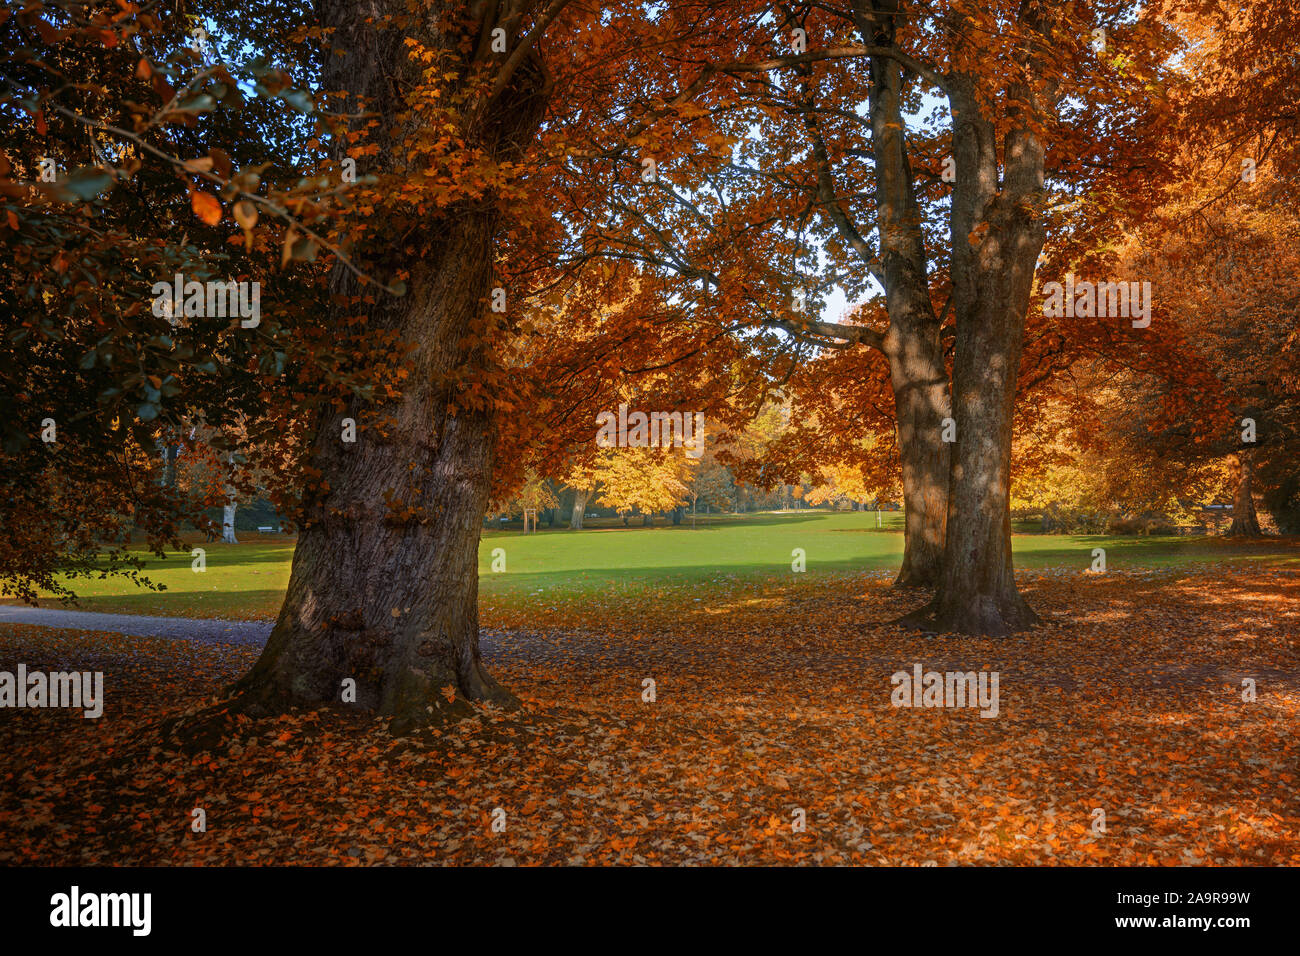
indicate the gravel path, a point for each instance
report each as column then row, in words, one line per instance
column 181, row 628
column 203, row 630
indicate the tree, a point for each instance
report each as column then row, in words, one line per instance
column 447, row 109
column 586, row 486
column 1219, row 403
column 108, row 162
column 535, row 494
column 384, row 583
column 848, row 185
column 647, row 480
column 1224, row 400
column 1002, row 110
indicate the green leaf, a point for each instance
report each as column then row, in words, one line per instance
column 84, row 183
column 203, row 103
column 299, row 100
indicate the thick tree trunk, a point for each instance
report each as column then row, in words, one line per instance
column 384, row 590
column 976, row 592
column 997, row 235
column 917, row 370
column 1245, row 522
column 384, row 585
column 580, row 498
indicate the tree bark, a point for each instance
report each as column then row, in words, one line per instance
column 228, row 509
column 921, row 402
column 976, row 592
column 580, row 498
column 1245, row 521
column 170, row 454
column 918, row 374
column 228, row 523
column 997, row 234
column 384, row 585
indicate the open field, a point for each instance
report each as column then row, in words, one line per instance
column 773, row 697
column 552, row 576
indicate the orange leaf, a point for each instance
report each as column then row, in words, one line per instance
column 206, row 206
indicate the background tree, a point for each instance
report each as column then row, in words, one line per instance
column 845, row 187
column 109, row 176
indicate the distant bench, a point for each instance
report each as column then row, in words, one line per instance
column 266, row 528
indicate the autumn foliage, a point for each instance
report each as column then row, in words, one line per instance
column 826, row 229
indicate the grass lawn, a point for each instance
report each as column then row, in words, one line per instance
column 565, row 574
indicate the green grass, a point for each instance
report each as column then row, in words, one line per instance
column 248, row 580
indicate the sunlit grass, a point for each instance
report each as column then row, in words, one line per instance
column 549, row 567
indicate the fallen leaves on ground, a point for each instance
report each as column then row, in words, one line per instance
column 771, row 698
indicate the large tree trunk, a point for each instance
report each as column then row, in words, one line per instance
column 976, row 591
column 580, row 498
column 917, row 370
column 997, row 234
column 384, row 585
column 1245, row 522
